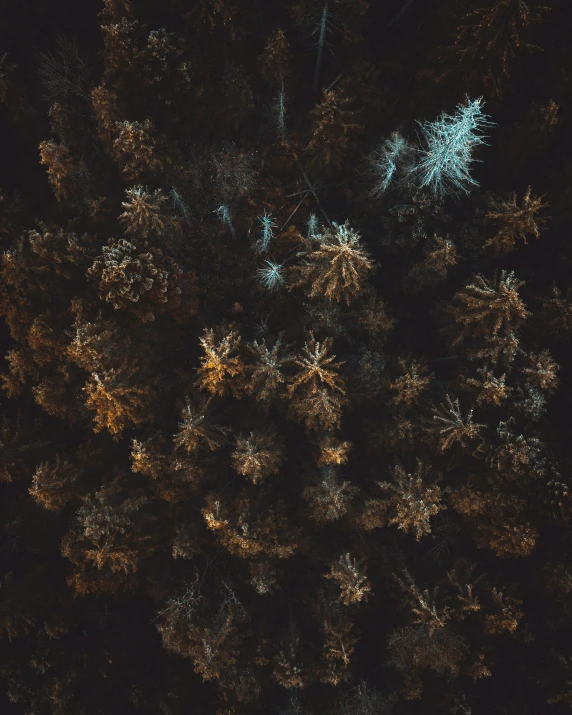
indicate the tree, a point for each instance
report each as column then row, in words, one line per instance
column 448, row 421
column 491, row 390
column 145, row 214
column 195, row 429
column 257, row 456
column 208, row 631
column 116, row 398
column 137, row 277
column 136, row 149
column 351, row 578
column 329, row 498
column 557, row 312
column 109, row 539
column 413, row 501
column 52, row 483
column 332, row 451
column 340, row 640
column 489, row 312
column 412, row 649
column 271, row 277
column 439, row 258
column 410, row 385
column 290, row 664
column 423, row 604
column 316, row 389
column 487, row 42
column 63, row 174
column 246, row 531
column 275, row 58
column 361, row 699
column 390, row 163
column 266, row 373
column 541, row 371
column 443, row 162
column 336, row 269
column 221, row 366
column 515, row 222
column 332, row 129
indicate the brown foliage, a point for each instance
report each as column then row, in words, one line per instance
column 489, row 312
column 487, row 42
column 221, row 367
column 412, row 382
column 117, row 400
column 491, row 390
column 208, row 632
column 108, row 540
column 266, row 373
column 413, row 501
column 515, row 222
column 350, row 574
column 145, row 214
column 439, row 258
column 137, row 277
column 195, row 429
column 247, row 532
column 332, row 129
column 336, row 268
column 316, row 390
column 60, row 168
column 274, row 60
column 329, row 498
column 52, row 484
column 257, row 456
column 452, row 426
column 136, row 149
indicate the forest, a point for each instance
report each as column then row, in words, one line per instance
column 285, row 377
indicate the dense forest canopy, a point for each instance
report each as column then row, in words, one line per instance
column 285, row 390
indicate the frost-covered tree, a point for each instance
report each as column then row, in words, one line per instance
column 136, row 149
column 246, row 530
column 340, row 639
column 363, row 700
column 491, row 390
column 443, row 162
column 267, row 224
column 224, row 216
column 389, row 162
column 52, row 483
column 109, row 538
column 271, row 276
column 207, row 631
column 412, row 381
